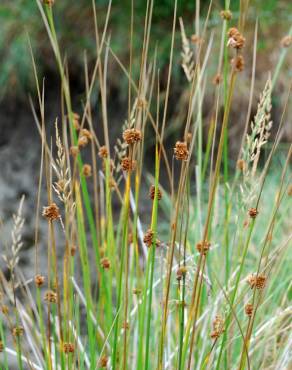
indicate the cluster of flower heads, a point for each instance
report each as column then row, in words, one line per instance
column 237, row 42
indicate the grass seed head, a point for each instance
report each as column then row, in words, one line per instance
column 87, row 170
column 83, row 141
column 181, row 272
column 241, row 165
column 68, row 348
column 1, row 346
column 50, row 296
column 253, row 212
column 74, row 151
column 226, row 15
column 105, row 263
column 103, row 361
column 103, row 152
column 51, row 212
column 49, row 2
column 5, row 310
column 86, row 133
column 248, row 309
column 39, row 280
column 148, row 238
column 203, row 247
column 257, row 281
column 238, row 63
column 127, row 164
column 132, row 136
column 17, row 331
column 236, row 40
column 218, row 327
column 152, row 193
column 181, row 151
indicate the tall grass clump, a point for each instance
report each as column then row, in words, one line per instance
column 195, row 272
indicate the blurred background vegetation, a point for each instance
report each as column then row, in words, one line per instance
column 20, row 19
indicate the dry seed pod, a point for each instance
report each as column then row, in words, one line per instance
column 50, row 296
column 105, row 263
column 152, row 193
column 127, row 164
column 226, row 15
column 51, row 212
column 1, row 346
column 17, row 331
column 39, row 280
column 68, row 348
column 181, row 151
column 132, row 136
column 86, row 133
column 257, row 281
column 203, row 247
column 236, row 40
column 218, row 327
column 103, row 152
column 86, row 170
column 103, row 361
column 238, row 63
column 217, row 79
column 248, row 309
column 74, row 151
column 83, row 141
column 181, row 272
column 148, row 237
column 253, row 212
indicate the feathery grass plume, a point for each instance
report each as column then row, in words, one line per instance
column 255, row 140
column 62, row 186
column 16, row 236
column 260, row 128
column 188, row 63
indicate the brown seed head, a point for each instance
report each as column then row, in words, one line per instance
column 86, row 133
column 105, row 263
column 103, row 361
column 51, row 212
column 103, row 152
column 181, row 271
column 236, row 40
column 152, row 193
column 137, row 291
column 148, row 238
column 181, row 151
column 226, row 15
column 238, row 63
column 17, row 331
column 127, row 164
column 218, row 327
column 86, row 170
column 241, row 165
column 286, row 41
column 248, row 309
column 289, row 191
column 83, row 141
column 1, row 346
column 203, row 247
column 39, row 280
column 76, row 123
column 68, row 348
column 132, row 136
column 50, row 296
column 74, row 151
column 253, row 212
column 257, row 281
